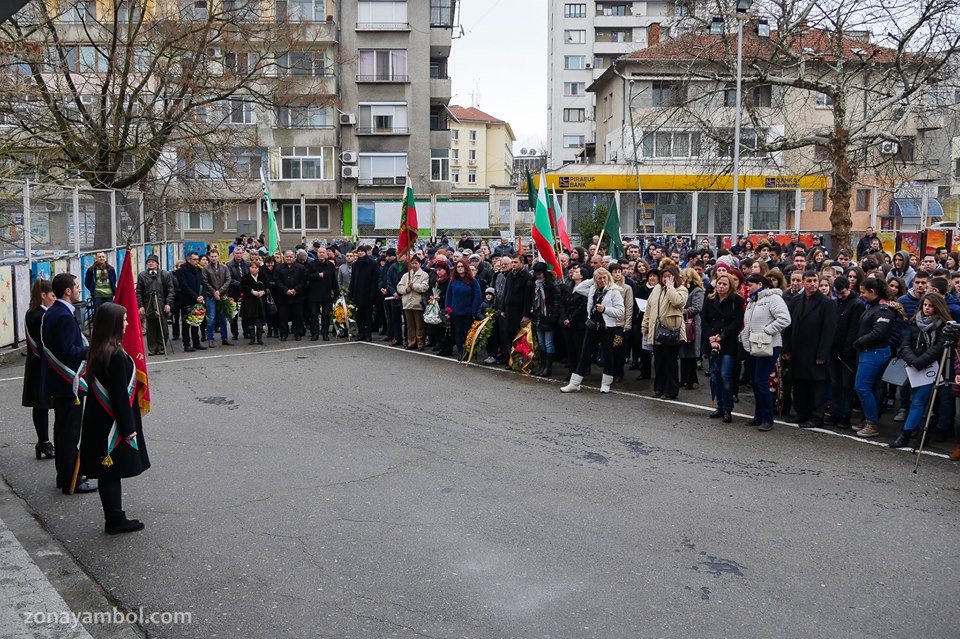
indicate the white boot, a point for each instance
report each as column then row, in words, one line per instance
column 605, row 382
column 574, row 385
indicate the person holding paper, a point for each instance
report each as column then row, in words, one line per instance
column 921, row 351
column 873, row 350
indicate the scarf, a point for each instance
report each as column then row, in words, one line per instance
column 926, row 323
column 540, row 297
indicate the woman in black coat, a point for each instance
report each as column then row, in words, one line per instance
column 573, row 317
column 253, row 289
column 111, row 443
column 41, row 297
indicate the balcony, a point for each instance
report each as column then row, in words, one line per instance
column 363, row 130
column 383, row 26
column 441, row 90
column 440, row 139
column 382, row 181
column 383, row 78
column 440, row 40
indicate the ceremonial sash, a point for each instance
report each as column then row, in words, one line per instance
column 32, row 345
column 76, row 378
column 103, row 398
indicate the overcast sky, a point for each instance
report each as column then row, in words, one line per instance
column 500, row 64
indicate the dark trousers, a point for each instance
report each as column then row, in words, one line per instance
column 320, row 318
column 603, row 337
column 620, row 352
column 67, row 415
column 461, row 326
column 189, row 333
column 111, row 496
column 394, row 312
column 842, row 375
column 809, row 399
column 511, row 326
column 666, row 370
column 364, row 320
column 175, row 322
column 253, row 328
column 573, row 336
column 688, row 370
column 41, row 424
column 234, row 327
column 156, row 332
column 291, row 312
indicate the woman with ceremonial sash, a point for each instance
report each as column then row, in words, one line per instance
column 41, row 298
column 112, row 445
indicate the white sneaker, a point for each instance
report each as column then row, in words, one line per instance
column 490, row 360
column 901, row 416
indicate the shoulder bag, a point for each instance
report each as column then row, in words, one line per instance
column 896, row 372
column 663, row 335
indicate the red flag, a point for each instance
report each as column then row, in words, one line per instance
column 409, row 227
column 561, row 222
column 126, row 296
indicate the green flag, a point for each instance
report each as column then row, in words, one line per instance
column 531, row 192
column 273, row 235
column 611, row 228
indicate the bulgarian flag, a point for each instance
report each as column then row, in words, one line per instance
column 409, row 228
column 126, row 297
column 561, row 224
column 542, row 233
column 273, row 235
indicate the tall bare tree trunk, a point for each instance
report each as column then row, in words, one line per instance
column 841, row 188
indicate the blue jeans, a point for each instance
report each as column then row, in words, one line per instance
column 97, row 303
column 918, row 407
column 215, row 317
column 721, row 381
column 870, row 365
column 546, row 340
column 762, row 397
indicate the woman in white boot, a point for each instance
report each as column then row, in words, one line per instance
column 605, row 308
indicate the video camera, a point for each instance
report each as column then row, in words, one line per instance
column 951, row 333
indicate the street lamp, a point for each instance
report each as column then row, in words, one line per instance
column 717, row 28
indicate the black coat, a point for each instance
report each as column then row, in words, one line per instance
column 153, row 290
column 874, row 329
column 321, row 289
column 723, row 318
column 291, row 277
column 548, row 319
column 573, row 307
column 33, row 395
column 237, row 271
column 189, row 282
column 924, row 347
column 849, row 311
column 365, row 281
column 252, row 308
column 127, row 461
column 518, row 298
column 809, row 338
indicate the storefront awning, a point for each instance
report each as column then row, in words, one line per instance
column 913, row 207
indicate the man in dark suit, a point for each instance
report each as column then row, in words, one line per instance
column 289, row 286
column 807, row 343
column 517, row 302
column 365, row 291
column 63, row 365
column 321, row 284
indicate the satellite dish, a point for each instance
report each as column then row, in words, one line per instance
column 523, row 151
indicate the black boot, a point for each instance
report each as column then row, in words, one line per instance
column 253, row 340
column 902, row 440
column 117, row 523
column 260, row 338
column 547, row 369
column 717, row 414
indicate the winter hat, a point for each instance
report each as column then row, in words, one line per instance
column 490, row 291
column 729, row 260
column 154, row 259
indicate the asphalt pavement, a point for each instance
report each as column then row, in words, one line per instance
column 352, row 490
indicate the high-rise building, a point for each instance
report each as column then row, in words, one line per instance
column 583, row 40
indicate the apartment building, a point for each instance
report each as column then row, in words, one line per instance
column 584, row 39
column 482, row 150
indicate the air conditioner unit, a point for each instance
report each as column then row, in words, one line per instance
column 348, row 157
column 348, row 118
column 351, row 172
column 589, row 66
column 888, row 148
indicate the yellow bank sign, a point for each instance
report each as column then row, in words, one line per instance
column 606, row 182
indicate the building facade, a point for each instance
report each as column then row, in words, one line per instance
column 481, row 154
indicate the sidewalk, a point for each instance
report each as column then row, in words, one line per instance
column 44, row 593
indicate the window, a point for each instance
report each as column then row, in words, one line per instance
column 202, row 168
column 574, row 89
column 455, row 135
column 574, row 115
column 243, row 211
column 612, row 10
column 244, row 166
column 578, row 10
column 438, row 70
column 301, row 10
column 439, row 165
column 306, row 163
column 455, row 155
column 317, row 217
column 241, row 10
column 129, row 11
column 386, row 117
column 574, row 62
column 906, row 150
column 472, row 156
column 240, row 112
column 439, row 118
column 193, row 9
column 80, row 11
column 473, row 135
column 665, row 93
column 198, row 221
column 83, row 59
column 302, row 63
column 821, row 153
column 956, row 168
column 671, row 144
column 383, row 169
column 824, row 101
column 761, row 95
column 441, row 13
column 381, row 14
column 383, row 65
column 863, row 200
column 748, row 144
column 575, row 36
column 303, row 117
column 472, row 177
column 614, row 35
column 819, row 200
column 573, row 141
column 240, row 62
column 455, row 176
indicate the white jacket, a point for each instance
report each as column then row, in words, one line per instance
column 612, row 302
column 769, row 314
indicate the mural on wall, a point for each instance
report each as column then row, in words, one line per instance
column 40, row 269
column 910, row 242
column 934, row 239
column 888, row 240
column 7, row 332
column 86, row 261
column 21, row 284
column 194, row 247
column 171, row 259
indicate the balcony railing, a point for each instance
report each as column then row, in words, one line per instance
column 383, row 26
column 397, row 130
column 381, row 181
column 383, row 78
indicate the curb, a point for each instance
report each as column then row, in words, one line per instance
column 12, row 356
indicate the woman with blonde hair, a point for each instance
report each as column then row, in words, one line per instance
column 690, row 350
column 604, row 309
column 663, row 327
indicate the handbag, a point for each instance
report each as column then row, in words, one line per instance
column 432, row 314
column 663, row 335
column 690, row 326
column 896, row 372
column 761, row 344
column 269, row 306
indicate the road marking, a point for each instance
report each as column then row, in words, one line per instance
column 246, row 353
column 548, row 380
column 10, row 379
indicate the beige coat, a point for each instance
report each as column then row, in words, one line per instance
column 626, row 322
column 665, row 306
column 413, row 300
